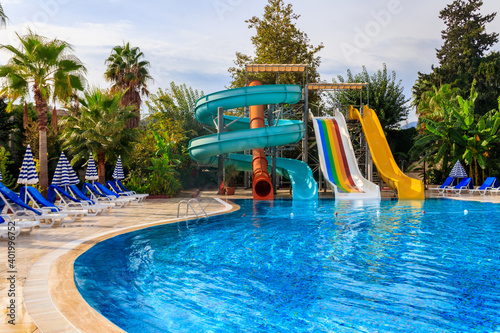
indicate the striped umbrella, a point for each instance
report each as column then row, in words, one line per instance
column 458, row 171
column 64, row 174
column 91, row 173
column 118, row 172
column 28, row 173
column 1, row 176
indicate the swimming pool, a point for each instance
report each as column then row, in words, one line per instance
column 284, row 266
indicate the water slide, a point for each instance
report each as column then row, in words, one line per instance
column 338, row 161
column 406, row 187
column 241, row 137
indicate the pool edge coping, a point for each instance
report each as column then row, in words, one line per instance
column 50, row 295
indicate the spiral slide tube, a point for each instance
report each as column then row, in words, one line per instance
column 338, row 161
column 241, row 137
column 407, row 188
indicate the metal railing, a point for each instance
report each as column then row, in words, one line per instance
column 188, row 205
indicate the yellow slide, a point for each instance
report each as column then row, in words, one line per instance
column 407, row 188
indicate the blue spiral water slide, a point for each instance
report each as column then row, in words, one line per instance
column 240, row 137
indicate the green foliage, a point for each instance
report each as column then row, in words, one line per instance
column 431, row 102
column 277, row 41
column 161, row 178
column 48, row 69
column 460, row 134
column 98, row 126
column 231, row 172
column 385, row 95
column 8, row 180
column 462, row 57
column 129, row 74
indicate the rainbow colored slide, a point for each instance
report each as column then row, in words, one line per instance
column 338, row 162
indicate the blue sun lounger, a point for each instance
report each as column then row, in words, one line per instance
column 97, row 204
column 70, row 202
column 14, row 203
column 29, row 193
column 489, row 184
column 448, row 184
column 465, row 185
column 122, row 187
column 97, row 194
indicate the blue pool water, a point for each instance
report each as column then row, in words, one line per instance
column 295, row 267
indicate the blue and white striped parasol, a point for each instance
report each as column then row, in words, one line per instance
column 1, row 176
column 64, row 174
column 91, row 173
column 118, row 172
column 458, row 171
column 28, row 173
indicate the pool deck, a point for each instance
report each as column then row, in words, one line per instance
column 46, row 298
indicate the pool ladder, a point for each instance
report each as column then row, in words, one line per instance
column 188, row 205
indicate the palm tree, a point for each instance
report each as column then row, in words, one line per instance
column 47, row 68
column 98, row 126
column 3, row 17
column 129, row 74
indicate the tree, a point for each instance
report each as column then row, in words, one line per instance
column 463, row 53
column 130, row 75
column 385, row 95
column 99, row 127
column 459, row 134
column 3, row 17
column 47, row 68
column 277, row 41
column 431, row 102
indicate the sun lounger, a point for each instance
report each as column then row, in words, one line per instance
column 489, row 184
column 31, row 194
column 11, row 226
column 103, row 205
column 464, row 186
column 14, row 204
column 115, row 189
column 448, row 184
column 95, row 194
column 67, row 200
column 104, row 190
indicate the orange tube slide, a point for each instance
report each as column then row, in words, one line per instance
column 262, row 185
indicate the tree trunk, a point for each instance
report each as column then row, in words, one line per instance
column 25, row 115
column 41, row 109
column 101, row 172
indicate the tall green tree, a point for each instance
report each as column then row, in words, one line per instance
column 98, row 126
column 129, row 73
column 49, row 69
column 385, row 96
column 277, row 41
column 463, row 53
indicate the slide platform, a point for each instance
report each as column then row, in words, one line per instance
column 338, row 161
column 240, row 137
column 406, row 187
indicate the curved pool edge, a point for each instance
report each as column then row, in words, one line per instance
column 50, row 295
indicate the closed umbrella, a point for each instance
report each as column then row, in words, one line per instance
column 118, row 172
column 1, row 176
column 91, row 173
column 64, row 174
column 28, row 173
column 458, row 171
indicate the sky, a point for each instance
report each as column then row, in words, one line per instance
column 195, row 41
